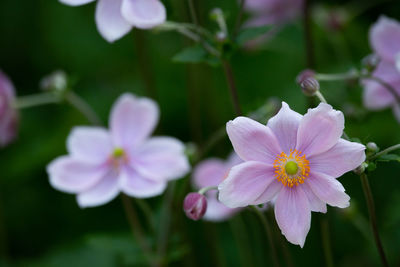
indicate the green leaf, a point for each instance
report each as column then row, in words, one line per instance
column 251, row 33
column 389, row 157
column 194, row 54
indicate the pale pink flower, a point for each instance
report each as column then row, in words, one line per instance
column 8, row 113
column 385, row 40
column 295, row 159
column 195, row 206
column 115, row 18
column 212, row 172
column 101, row 163
column 272, row 11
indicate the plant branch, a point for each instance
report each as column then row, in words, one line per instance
column 83, row 107
column 232, row 87
column 385, row 151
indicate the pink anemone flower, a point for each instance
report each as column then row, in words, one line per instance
column 294, row 159
column 8, row 113
column 385, row 40
column 115, row 18
column 101, row 163
column 211, row 172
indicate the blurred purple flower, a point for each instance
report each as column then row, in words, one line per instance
column 212, row 172
column 115, row 18
column 102, row 162
column 295, row 159
column 8, row 114
column 385, row 41
column 195, row 206
column 272, row 11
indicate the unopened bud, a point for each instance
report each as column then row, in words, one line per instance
column 370, row 62
column 361, row 169
column 372, row 147
column 305, row 74
column 309, row 86
column 56, row 81
column 195, row 206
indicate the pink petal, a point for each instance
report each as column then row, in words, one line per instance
column 385, row 38
column 396, row 111
column 285, row 125
column 161, row 158
column 103, row 192
column 270, row 193
column 132, row 120
column 217, row 212
column 341, row 158
column 316, row 204
column 252, row 140
column 135, row 185
column 293, row 214
column 319, row 130
column 144, row 14
column 90, row 144
column 75, row 2
column 209, row 172
column 72, row 175
column 245, row 184
column 328, row 189
column 110, row 23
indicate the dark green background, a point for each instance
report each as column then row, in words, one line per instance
column 43, row 227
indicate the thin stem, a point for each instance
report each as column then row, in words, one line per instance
column 83, row 107
column 232, row 86
column 136, row 228
column 337, row 76
column 193, row 13
column 388, row 87
column 197, row 38
column 239, row 18
column 36, row 100
column 385, row 151
column 268, row 231
column 372, row 216
column 308, row 35
column 321, row 97
column 206, row 189
column 326, row 242
column 165, row 223
column 144, row 63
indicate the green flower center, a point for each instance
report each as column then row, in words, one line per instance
column 291, row 168
column 118, row 152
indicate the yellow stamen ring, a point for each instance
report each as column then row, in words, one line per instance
column 291, row 170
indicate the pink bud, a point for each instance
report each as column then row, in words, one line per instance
column 195, row 206
column 8, row 114
column 305, row 74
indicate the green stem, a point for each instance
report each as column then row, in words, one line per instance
column 36, row 100
column 337, row 77
column 83, row 107
column 384, row 152
column 268, row 231
column 326, row 242
column 206, row 189
column 239, row 18
column 321, row 97
column 372, row 216
column 136, row 228
column 193, row 13
column 232, row 86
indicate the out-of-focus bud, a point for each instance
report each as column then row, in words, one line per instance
column 309, row 86
column 8, row 113
column 361, row 169
column 370, row 62
column 195, row 206
column 305, row 74
column 372, row 147
column 55, row 81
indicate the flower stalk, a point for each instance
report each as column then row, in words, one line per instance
column 385, row 151
column 36, row 100
column 372, row 215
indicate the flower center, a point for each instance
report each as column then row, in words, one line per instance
column 292, row 169
column 118, row 152
column 118, row 158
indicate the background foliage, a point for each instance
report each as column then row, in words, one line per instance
column 43, row 227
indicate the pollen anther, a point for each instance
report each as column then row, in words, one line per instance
column 291, row 170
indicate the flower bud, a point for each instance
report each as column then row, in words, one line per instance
column 307, row 73
column 372, row 147
column 8, row 114
column 56, row 81
column 309, row 86
column 370, row 62
column 195, row 206
column 361, row 169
